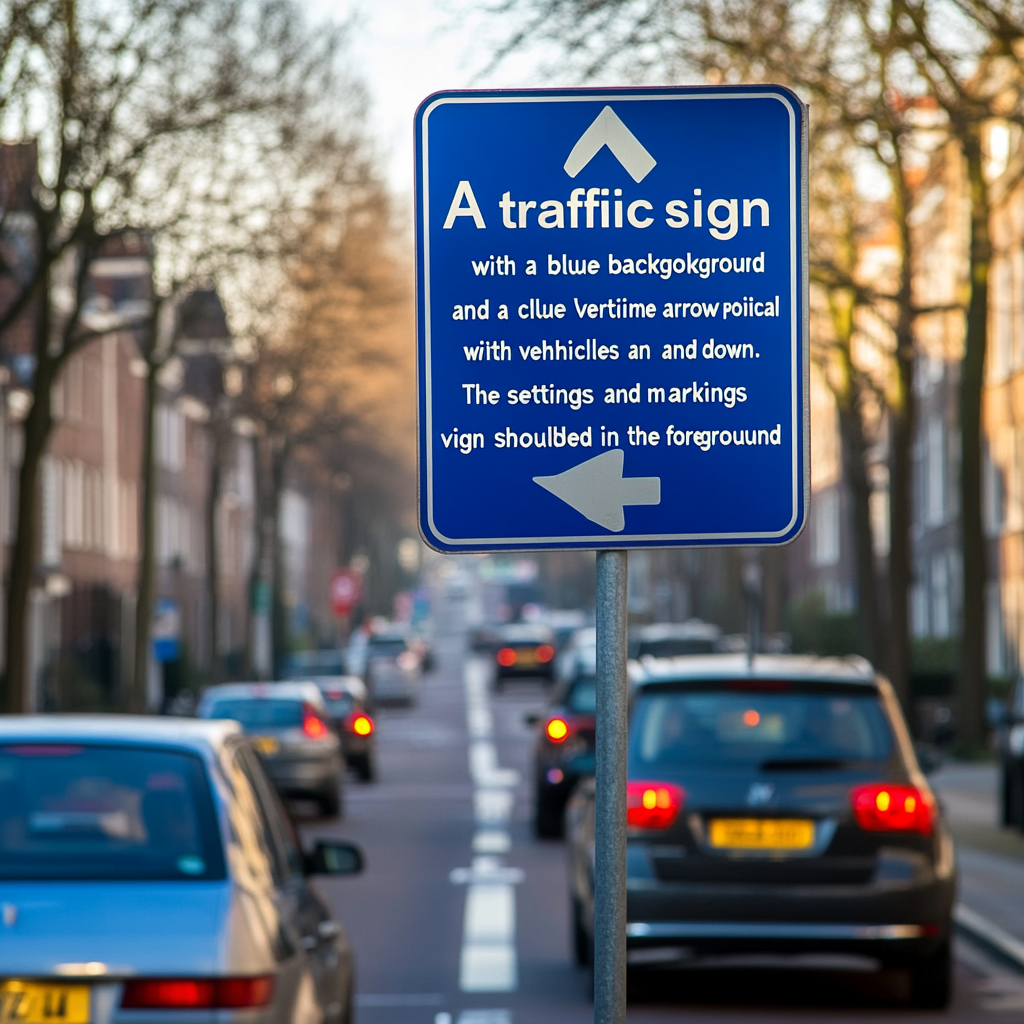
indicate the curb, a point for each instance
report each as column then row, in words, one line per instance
column 985, row 933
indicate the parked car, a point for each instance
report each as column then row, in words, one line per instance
column 524, row 649
column 578, row 657
column 774, row 809
column 1010, row 739
column 563, row 751
column 346, row 700
column 292, row 730
column 671, row 639
column 393, row 668
column 150, row 873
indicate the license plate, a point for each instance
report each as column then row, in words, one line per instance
column 761, row 833
column 23, row 1002
column 265, row 745
column 526, row 659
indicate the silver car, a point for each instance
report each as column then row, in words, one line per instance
column 147, row 871
column 392, row 669
column 292, row 729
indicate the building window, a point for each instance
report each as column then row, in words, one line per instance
column 825, row 533
column 919, row 610
column 942, row 616
column 935, row 472
column 51, row 524
column 170, row 437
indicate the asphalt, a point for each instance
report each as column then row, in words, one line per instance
column 420, row 954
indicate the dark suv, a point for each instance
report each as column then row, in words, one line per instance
column 775, row 810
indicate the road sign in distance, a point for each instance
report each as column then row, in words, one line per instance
column 612, row 318
column 346, row 589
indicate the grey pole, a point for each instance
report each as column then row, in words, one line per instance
column 610, row 816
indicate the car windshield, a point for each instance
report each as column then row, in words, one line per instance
column 781, row 729
column 76, row 812
column 258, row 712
column 673, row 647
column 582, row 697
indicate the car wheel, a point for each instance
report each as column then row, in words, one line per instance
column 1006, row 804
column 582, row 949
column 330, row 802
column 548, row 817
column 366, row 768
column 931, row 979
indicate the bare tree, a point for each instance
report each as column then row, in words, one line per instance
column 198, row 121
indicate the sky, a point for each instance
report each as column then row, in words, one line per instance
column 407, row 49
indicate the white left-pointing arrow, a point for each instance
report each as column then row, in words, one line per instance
column 597, row 490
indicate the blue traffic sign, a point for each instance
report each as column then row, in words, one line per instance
column 612, row 318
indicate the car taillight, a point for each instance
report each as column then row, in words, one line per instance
column 545, row 653
column 557, row 730
column 313, row 725
column 360, row 724
column 893, row 807
column 653, row 804
column 506, row 657
column 197, row 993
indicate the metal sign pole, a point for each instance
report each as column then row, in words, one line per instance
column 610, row 810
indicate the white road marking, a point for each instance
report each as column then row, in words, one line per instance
column 492, row 841
column 488, row 960
column 485, row 1017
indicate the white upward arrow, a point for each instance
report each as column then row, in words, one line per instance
column 608, row 130
column 596, row 489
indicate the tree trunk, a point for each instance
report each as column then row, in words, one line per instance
column 280, row 632
column 902, row 422
column 138, row 698
column 854, row 447
column 212, row 545
column 36, row 429
column 973, row 682
column 256, row 569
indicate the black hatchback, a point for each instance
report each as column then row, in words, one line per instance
column 778, row 810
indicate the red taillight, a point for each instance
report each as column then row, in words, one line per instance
column 360, row 724
column 313, row 725
column 506, row 657
column 892, row 807
column 557, row 730
column 653, row 804
column 545, row 653
column 197, row 993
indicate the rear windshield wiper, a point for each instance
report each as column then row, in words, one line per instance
column 801, row 764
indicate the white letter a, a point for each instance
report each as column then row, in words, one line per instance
column 464, row 191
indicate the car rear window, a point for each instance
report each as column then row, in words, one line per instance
column 386, row 648
column 339, row 702
column 781, row 730
column 674, row 647
column 259, row 713
column 582, row 697
column 306, row 664
column 79, row 812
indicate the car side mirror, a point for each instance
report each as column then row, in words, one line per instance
column 331, row 858
column 531, row 718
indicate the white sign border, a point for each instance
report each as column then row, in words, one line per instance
column 800, row 444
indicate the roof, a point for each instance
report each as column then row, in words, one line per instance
column 805, row 667
column 189, row 733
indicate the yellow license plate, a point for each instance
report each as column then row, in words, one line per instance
column 25, row 1002
column 761, row 833
column 526, row 659
column 265, row 745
